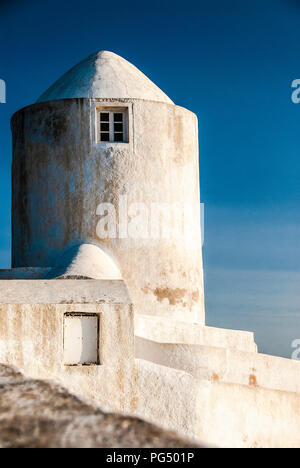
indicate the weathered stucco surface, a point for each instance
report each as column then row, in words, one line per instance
column 224, row 365
column 174, row 331
column 41, row 414
column 188, row 399
column 31, row 338
column 104, row 75
column 61, row 174
column 219, row 414
column 63, row 291
column 24, row 273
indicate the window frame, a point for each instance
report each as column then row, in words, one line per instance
column 78, row 315
column 111, row 111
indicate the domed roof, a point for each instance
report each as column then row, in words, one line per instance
column 105, row 75
column 85, row 261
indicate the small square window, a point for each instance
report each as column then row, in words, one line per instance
column 81, row 339
column 113, row 125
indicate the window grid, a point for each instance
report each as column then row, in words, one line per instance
column 112, row 126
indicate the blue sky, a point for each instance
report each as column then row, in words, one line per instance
column 232, row 63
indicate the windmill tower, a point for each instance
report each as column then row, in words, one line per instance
column 105, row 136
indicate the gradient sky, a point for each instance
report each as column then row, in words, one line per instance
column 230, row 62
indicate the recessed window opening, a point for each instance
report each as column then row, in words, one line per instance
column 113, row 126
column 81, row 339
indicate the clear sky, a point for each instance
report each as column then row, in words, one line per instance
column 232, row 63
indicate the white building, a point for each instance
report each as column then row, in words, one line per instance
column 106, row 294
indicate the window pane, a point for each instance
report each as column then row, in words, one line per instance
column 118, row 117
column 104, row 136
column 118, row 136
column 104, row 127
column 118, row 127
column 104, row 117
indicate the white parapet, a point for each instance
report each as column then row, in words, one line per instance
column 223, row 365
column 170, row 331
column 219, row 414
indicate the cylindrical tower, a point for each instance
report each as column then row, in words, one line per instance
column 101, row 158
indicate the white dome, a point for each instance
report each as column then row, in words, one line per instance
column 85, row 261
column 105, row 75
